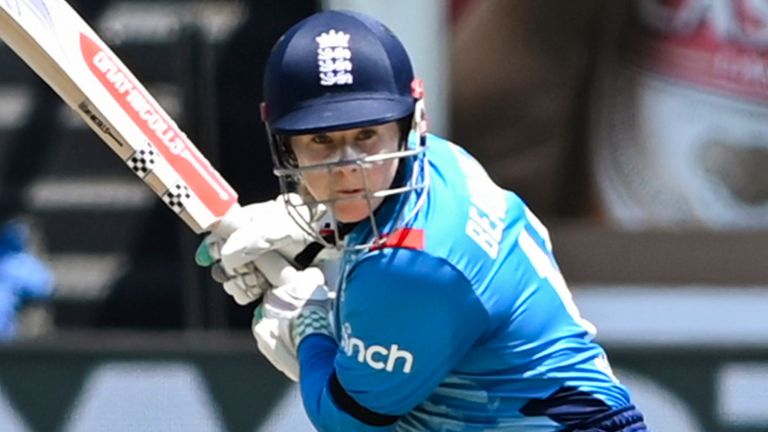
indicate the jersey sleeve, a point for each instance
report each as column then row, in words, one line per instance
column 406, row 318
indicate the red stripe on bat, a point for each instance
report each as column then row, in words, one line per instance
column 204, row 181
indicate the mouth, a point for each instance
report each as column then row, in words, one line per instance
column 350, row 192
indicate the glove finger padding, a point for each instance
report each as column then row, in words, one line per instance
column 246, row 288
column 219, row 274
column 273, row 266
column 249, row 281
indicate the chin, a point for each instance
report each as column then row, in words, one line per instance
column 351, row 211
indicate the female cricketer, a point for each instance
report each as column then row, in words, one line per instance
column 449, row 312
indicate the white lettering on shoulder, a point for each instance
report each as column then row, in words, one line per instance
column 488, row 206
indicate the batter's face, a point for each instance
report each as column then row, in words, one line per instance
column 344, row 182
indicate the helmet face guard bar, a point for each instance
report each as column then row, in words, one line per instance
column 290, row 181
column 361, row 162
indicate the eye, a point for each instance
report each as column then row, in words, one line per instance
column 365, row 134
column 322, row 139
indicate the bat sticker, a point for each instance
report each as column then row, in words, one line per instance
column 143, row 161
column 176, row 197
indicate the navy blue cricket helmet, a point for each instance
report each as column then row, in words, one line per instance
column 336, row 70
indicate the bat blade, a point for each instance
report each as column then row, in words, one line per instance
column 68, row 55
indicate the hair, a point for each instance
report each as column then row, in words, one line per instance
column 405, row 124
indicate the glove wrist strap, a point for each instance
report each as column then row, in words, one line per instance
column 311, row 321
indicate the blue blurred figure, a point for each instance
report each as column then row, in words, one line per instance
column 23, row 277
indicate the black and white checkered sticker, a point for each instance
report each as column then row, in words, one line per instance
column 176, row 196
column 142, row 161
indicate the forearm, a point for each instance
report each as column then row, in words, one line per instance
column 316, row 355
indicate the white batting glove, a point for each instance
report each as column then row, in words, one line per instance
column 248, row 282
column 288, row 314
column 262, row 227
column 239, row 261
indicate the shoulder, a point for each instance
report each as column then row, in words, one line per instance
column 394, row 275
column 404, row 264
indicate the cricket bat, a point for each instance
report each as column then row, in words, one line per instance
column 67, row 54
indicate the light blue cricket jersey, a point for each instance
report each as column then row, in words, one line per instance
column 462, row 322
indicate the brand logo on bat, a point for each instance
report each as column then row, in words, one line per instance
column 163, row 132
column 96, row 119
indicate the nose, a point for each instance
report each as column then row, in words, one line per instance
column 345, row 166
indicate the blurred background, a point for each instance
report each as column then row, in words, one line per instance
column 636, row 129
